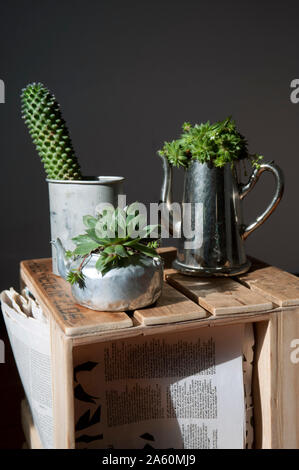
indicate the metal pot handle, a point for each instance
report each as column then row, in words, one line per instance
column 245, row 189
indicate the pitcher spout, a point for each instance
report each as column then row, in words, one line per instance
column 63, row 263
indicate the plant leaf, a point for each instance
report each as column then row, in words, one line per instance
column 85, row 238
column 102, row 262
column 76, row 277
column 110, row 250
column 146, row 250
column 86, row 247
column 149, row 229
column 136, row 224
column 101, row 241
column 89, row 221
column 131, row 242
column 121, row 251
column 121, row 223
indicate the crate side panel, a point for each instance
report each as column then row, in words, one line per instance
column 288, row 378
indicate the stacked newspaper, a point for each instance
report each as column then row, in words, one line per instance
column 29, row 336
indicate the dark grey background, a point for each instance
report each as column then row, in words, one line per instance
column 127, row 74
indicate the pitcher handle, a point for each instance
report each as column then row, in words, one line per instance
column 245, row 189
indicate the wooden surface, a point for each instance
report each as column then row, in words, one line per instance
column 276, row 381
column 54, row 295
column 253, row 293
column 168, row 254
column 273, row 283
column 62, row 386
column 265, row 384
column 171, row 307
column 266, row 296
column 31, row 434
column 287, row 378
column 220, row 296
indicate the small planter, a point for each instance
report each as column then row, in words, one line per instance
column 127, row 288
column 71, row 195
column 70, row 200
column 211, row 227
column 136, row 284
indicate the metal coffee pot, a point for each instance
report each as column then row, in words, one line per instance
column 216, row 243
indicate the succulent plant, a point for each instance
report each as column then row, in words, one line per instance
column 49, row 132
column 217, row 144
column 118, row 236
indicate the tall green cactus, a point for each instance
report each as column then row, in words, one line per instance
column 49, row 132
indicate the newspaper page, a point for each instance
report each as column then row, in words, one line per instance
column 181, row 391
column 29, row 335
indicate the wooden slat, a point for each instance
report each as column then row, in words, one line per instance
column 276, row 382
column 220, row 296
column 168, row 254
column 31, row 433
column 54, row 295
column 279, row 286
column 169, row 271
column 265, row 384
column 171, row 307
column 63, row 388
column 288, row 378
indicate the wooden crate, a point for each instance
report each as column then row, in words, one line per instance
column 33, row 440
column 266, row 297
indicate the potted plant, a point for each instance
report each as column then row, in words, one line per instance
column 71, row 195
column 112, row 269
column 210, row 154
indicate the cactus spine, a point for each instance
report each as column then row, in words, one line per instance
column 49, row 132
